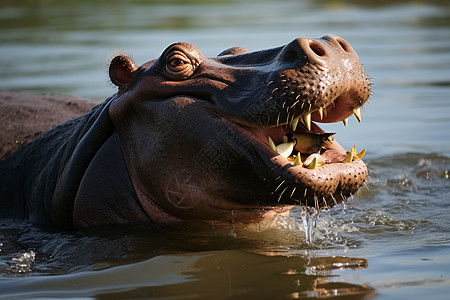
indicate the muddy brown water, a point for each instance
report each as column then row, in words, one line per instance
column 392, row 242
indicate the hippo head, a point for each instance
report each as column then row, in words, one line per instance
column 206, row 138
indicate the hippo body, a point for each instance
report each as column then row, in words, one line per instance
column 190, row 138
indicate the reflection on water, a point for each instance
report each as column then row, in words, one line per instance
column 392, row 240
column 101, row 262
column 206, row 275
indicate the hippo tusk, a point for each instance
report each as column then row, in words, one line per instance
column 361, row 154
column 320, row 113
column 313, row 164
column 345, row 122
column 349, row 157
column 357, row 112
column 306, row 120
column 295, row 123
column 285, row 149
column 315, row 160
column 272, row 144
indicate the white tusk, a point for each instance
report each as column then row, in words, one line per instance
column 295, row 123
column 319, row 161
column 285, row 149
column 357, row 112
column 272, row 144
column 345, row 122
column 307, row 120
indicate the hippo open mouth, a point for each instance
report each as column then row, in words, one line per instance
column 308, row 159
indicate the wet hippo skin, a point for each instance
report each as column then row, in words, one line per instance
column 193, row 138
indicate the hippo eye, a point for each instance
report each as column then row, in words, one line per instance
column 178, row 66
column 177, row 63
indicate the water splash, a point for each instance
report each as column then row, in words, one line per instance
column 22, row 263
column 309, row 218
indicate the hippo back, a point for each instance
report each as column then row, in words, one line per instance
column 34, row 176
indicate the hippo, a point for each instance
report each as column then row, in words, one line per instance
column 187, row 137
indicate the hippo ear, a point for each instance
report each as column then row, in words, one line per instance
column 121, row 71
column 234, row 51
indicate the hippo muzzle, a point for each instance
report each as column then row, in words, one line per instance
column 235, row 136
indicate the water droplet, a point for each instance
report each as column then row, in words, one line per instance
column 309, row 218
column 214, row 227
column 233, row 226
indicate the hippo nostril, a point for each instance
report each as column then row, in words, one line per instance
column 338, row 43
column 344, row 45
column 317, row 48
column 302, row 49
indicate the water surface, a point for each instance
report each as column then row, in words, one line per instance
column 392, row 242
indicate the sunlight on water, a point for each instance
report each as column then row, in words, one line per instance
column 22, row 263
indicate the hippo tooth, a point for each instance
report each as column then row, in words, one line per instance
column 321, row 113
column 314, row 160
column 361, row 154
column 285, row 139
column 345, row 122
column 285, row 149
column 295, row 123
column 349, row 157
column 272, row 144
column 307, row 120
column 298, row 160
column 357, row 112
column 313, row 164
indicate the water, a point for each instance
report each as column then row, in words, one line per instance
column 391, row 242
